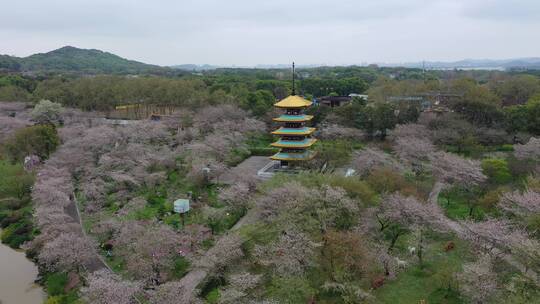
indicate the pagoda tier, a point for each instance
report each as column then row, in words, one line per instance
column 295, row 136
column 303, row 131
column 291, row 156
column 292, row 143
column 293, row 118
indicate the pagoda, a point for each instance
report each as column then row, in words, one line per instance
column 294, row 134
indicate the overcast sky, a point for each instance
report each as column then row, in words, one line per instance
column 249, row 32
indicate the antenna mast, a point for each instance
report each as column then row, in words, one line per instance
column 293, row 78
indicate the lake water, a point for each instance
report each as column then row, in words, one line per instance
column 17, row 275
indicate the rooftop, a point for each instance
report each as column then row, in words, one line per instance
column 293, row 101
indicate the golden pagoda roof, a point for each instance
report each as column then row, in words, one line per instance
column 293, row 101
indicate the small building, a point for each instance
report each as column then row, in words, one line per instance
column 334, row 101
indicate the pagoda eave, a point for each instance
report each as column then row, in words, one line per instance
column 299, row 132
column 294, row 144
column 292, row 118
column 283, row 156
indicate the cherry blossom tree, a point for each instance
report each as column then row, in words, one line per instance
column 333, row 131
column 478, row 280
column 397, row 213
column 499, row 237
column 451, row 168
column 464, row 173
column 521, row 203
column 226, row 250
column 530, row 150
column 239, row 284
column 170, row 293
column 105, row 287
column 414, row 151
column 368, row 159
column 411, row 130
column 149, row 251
column 237, row 195
column 8, row 125
column 291, row 254
column 67, row 252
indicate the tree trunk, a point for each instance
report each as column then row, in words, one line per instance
column 393, row 241
column 420, row 252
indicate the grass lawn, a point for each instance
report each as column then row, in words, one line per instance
column 459, row 209
column 428, row 283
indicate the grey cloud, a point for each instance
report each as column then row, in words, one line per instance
column 256, row 31
column 514, row 10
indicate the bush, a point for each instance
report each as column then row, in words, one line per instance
column 290, row 290
column 355, row 188
column 386, row 180
column 213, row 296
column 55, row 283
column 181, row 266
column 496, row 170
column 18, row 233
column 40, row 140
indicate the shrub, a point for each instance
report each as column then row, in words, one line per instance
column 55, row 283
column 213, row 296
column 385, row 180
column 355, row 188
column 181, row 266
column 497, row 170
column 18, row 233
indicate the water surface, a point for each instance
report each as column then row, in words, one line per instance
column 17, row 276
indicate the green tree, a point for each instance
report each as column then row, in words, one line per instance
column 377, row 119
column 480, row 113
column 260, row 102
column 40, row 140
column 14, row 181
column 533, row 113
column 517, row 118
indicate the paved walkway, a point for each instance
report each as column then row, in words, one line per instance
column 247, row 168
column 73, row 210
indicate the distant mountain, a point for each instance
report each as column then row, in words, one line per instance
column 74, row 60
column 502, row 64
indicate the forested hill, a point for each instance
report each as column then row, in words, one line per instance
column 70, row 59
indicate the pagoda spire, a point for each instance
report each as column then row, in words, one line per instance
column 293, row 80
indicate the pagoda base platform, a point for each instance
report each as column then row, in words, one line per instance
column 275, row 166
